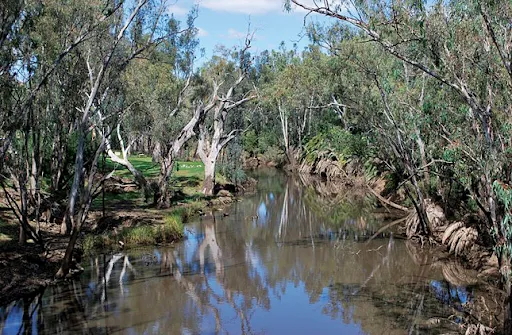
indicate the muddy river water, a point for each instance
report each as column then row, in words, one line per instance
column 285, row 260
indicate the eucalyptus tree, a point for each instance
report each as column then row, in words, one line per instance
column 446, row 42
column 106, row 58
column 299, row 92
column 225, row 88
column 456, row 83
column 38, row 40
column 157, row 90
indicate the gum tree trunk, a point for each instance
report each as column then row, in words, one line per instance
column 209, row 178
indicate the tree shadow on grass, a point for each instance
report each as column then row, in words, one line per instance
column 184, row 181
column 119, row 200
column 8, row 233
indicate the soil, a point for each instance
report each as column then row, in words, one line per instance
column 26, row 270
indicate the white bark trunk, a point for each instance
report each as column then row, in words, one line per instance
column 209, row 177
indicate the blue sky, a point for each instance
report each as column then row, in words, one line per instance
column 225, row 22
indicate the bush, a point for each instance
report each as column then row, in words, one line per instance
column 95, row 242
column 250, row 142
column 142, row 235
column 336, row 142
column 274, row 154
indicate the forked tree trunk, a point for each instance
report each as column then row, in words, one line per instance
column 209, row 146
column 187, row 132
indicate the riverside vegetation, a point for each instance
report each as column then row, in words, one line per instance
column 412, row 98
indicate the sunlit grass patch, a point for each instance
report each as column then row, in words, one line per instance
column 151, row 169
column 8, row 233
column 141, row 235
column 142, row 163
column 170, row 230
column 189, row 170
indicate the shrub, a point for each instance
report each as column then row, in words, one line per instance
column 95, row 242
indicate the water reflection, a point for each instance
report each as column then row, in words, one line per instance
column 275, row 265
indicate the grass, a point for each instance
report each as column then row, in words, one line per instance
column 183, row 170
column 8, row 234
column 151, row 170
column 186, row 180
column 142, row 163
column 135, row 198
column 170, row 230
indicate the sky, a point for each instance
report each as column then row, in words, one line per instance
column 226, row 22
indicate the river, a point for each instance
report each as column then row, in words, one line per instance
column 284, row 260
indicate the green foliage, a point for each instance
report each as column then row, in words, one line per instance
column 250, row 142
column 370, row 170
column 93, row 242
column 231, row 167
column 274, row 154
column 503, row 237
column 336, row 143
column 171, row 230
column 141, row 235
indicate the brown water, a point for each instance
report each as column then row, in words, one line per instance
column 284, row 261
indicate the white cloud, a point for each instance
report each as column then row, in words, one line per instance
column 177, row 10
column 334, row 5
column 235, row 34
column 243, row 6
column 201, row 32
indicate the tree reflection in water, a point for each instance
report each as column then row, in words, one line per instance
column 274, row 265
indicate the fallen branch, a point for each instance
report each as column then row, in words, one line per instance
column 389, row 225
column 387, row 202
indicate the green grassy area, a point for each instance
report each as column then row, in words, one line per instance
column 142, row 163
column 170, row 230
column 186, row 180
column 151, row 170
column 122, row 199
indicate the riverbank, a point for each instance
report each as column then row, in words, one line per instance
column 26, row 270
column 119, row 219
column 456, row 236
